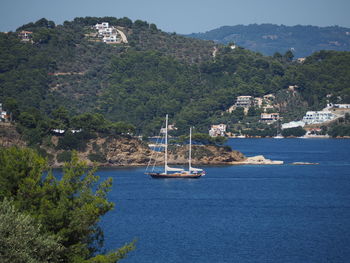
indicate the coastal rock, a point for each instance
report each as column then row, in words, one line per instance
column 259, row 159
column 304, row 163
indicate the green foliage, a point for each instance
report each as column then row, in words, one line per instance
column 74, row 141
column 294, row 132
column 64, row 156
column 323, row 73
column 339, row 128
column 22, row 239
column 68, row 208
column 97, row 157
column 203, row 138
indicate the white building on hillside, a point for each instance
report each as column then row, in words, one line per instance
column 217, row 130
column 318, row 117
column 102, row 25
column 110, row 39
column 338, row 106
column 244, row 101
column 269, row 117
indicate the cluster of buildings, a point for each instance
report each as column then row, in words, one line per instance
column 217, row 130
column 331, row 112
column 245, row 102
column 110, row 34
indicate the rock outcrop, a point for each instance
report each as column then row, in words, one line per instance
column 259, row 159
column 205, row 155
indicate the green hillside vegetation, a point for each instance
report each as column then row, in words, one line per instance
column 65, row 80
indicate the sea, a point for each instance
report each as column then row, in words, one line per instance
column 239, row 213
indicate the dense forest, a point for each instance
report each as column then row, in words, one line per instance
column 62, row 77
column 268, row 38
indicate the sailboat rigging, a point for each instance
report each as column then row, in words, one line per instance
column 170, row 172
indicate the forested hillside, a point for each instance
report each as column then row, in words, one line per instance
column 268, row 38
column 63, row 79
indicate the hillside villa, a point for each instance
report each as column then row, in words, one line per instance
column 269, row 118
column 217, row 130
column 245, row 102
column 25, row 36
column 110, row 34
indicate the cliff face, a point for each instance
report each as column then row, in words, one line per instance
column 125, row 151
column 110, row 151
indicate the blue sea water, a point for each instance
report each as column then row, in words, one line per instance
column 284, row 213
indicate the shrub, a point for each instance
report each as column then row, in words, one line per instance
column 297, row 132
column 97, row 157
column 64, row 157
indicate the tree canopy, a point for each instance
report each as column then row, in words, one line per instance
column 64, row 210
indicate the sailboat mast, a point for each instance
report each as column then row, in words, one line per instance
column 190, row 151
column 166, row 145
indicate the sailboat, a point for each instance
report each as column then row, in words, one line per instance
column 171, row 172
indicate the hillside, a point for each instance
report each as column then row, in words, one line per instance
column 268, row 38
column 64, row 78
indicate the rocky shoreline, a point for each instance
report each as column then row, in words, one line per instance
column 127, row 151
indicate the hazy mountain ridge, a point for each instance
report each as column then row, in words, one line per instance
column 269, row 38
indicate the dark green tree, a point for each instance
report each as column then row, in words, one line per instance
column 23, row 239
column 68, row 208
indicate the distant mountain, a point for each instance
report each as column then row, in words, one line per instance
column 269, row 38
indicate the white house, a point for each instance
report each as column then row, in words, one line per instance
column 217, row 130
column 269, row 117
column 244, row 101
column 59, row 131
column 110, row 39
column 102, row 25
column 338, row 106
column 318, row 117
column 25, row 36
column 105, row 31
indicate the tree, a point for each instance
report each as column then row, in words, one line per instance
column 22, row 239
column 296, row 132
column 68, row 208
column 288, row 56
column 61, row 116
column 27, row 120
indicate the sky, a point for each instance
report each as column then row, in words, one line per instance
column 181, row 16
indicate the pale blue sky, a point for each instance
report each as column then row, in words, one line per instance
column 181, row 16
